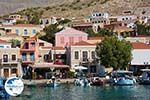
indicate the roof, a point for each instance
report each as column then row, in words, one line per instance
column 82, row 24
column 48, row 65
column 95, row 38
column 20, row 25
column 3, row 41
column 69, row 30
column 46, row 47
column 139, row 45
column 122, row 29
column 83, row 43
column 58, row 48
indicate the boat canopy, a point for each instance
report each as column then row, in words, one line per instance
column 122, row 72
column 145, row 70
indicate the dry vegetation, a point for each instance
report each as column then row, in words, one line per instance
column 74, row 8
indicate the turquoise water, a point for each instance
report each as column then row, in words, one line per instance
column 71, row 92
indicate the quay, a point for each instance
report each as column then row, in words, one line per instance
column 44, row 81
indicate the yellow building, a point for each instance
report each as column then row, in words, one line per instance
column 9, row 60
column 24, row 30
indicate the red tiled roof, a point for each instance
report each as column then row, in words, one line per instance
column 139, row 45
column 95, row 38
column 3, row 41
column 20, row 25
column 58, row 48
column 82, row 43
column 82, row 24
column 46, row 47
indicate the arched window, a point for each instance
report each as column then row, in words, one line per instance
column 25, row 31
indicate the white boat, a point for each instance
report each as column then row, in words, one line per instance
column 81, row 82
column 122, row 77
column 53, row 82
column 145, row 77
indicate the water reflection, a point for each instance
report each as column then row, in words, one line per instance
column 70, row 92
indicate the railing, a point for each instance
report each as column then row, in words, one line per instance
column 9, row 60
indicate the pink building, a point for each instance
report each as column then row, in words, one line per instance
column 69, row 36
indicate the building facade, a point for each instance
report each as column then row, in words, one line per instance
column 69, row 36
column 10, row 62
column 24, row 30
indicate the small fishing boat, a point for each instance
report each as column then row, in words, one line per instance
column 3, row 93
column 145, row 77
column 53, row 82
column 81, row 82
column 122, row 77
column 96, row 81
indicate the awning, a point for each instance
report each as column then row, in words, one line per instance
column 49, row 65
column 80, row 68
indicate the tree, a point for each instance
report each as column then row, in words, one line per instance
column 143, row 29
column 50, row 33
column 105, row 32
column 14, row 43
column 114, row 53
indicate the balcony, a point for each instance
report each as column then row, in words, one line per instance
column 27, row 61
column 9, row 61
column 27, row 50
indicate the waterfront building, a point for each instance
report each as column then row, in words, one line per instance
column 83, row 53
column 141, row 39
column 140, row 56
column 10, row 62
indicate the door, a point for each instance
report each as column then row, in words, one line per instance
column 6, row 72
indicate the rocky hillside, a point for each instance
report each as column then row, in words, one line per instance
column 72, row 8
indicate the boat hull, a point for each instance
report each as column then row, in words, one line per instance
column 124, row 82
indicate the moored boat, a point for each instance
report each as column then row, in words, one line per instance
column 122, row 77
column 3, row 93
column 82, row 81
column 96, row 81
column 53, row 82
column 145, row 77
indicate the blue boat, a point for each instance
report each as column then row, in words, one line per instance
column 122, row 77
column 3, row 93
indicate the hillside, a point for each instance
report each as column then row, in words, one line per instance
column 72, row 8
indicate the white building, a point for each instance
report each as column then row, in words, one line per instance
column 140, row 56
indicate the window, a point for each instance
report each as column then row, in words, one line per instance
column 25, row 32
column 76, row 53
column 13, row 57
column 17, row 31
column 24, row 57
column 62, row 40
column 32, row 58
column 32, row 44
column 33, row 31
column 46, row 58
column 85, row 55
column 5, row 58
column 14, row 71
column 93, row 54
column 41, row 44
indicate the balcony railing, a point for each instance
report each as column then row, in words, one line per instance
column 27, row 50
column 9, row 61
